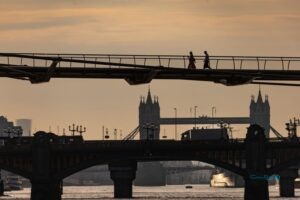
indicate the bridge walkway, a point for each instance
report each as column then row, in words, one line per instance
column 228, row 70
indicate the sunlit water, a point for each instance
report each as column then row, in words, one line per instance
column 166, row 192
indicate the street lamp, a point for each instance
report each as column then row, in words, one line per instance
column 195, row 112
column 115, row 134
column 80, row 130
column 175, row 110
column 213, row 114
column 106, row 134
column 72, row 129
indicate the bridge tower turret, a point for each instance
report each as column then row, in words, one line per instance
column 260, row 112
column 149, row 115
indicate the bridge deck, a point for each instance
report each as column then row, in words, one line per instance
column 137, row 69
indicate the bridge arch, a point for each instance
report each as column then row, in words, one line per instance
column 284, row 165
column 16, row 171
column 76, row 168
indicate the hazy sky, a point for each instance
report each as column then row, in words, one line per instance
column 231, row 27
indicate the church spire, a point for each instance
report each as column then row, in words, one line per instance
column 149, row 99
column 259, row 97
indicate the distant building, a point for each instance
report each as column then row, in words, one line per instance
column 7, row 129
column 26, row 126
column 260, row 113
column 149, row 116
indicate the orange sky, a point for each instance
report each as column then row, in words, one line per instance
column 231, row 27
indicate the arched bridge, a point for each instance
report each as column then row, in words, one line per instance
column 139, row 69
column 46, row 159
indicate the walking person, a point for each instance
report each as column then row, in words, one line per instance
column 206, row 61
column 192, row 61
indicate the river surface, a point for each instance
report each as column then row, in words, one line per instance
column 166, row 192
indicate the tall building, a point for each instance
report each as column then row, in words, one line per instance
column 260, row 112
column 26, row 126
column 7, row 128
column 149, row 116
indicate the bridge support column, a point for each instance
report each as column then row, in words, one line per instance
column 44, row 186
column 287, row 182
column 256, row 179
column 123, row 173
column 1, row 185
column 256, row 189
column 46, row 190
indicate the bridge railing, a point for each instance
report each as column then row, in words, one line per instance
column 146, row 61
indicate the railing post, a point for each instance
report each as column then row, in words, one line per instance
column 217, row 63
column 282, row 63
column 233, row 63
column 241, row 63
column 159, row 61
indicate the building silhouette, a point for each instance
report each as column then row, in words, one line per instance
column 26, row 126
column 149, row 115
column 7, row 128
column 260, row 112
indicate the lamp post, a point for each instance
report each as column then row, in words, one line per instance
column 175, row 110
column 80, row 129
column 213, row 114
column 106, row 134
column 115, row 134
column 72, row 129
column 195, row 112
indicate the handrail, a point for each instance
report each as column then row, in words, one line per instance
column 166, row 61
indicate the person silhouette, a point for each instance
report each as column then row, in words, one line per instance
column 206, row 61
column 191, row 61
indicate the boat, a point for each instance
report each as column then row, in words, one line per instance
column 221, row 180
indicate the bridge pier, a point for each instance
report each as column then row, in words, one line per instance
column 1, row 185
column 123, row 173
column 46, row 190
column 43, row 184
column 287, row 182
column 256, row 189
column 256, row 179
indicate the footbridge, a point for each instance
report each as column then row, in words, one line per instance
column 140, row 69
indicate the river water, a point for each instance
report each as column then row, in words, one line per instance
column 166, row 192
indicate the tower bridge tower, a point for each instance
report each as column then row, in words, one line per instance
column 260, row 112
column 149, row 116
